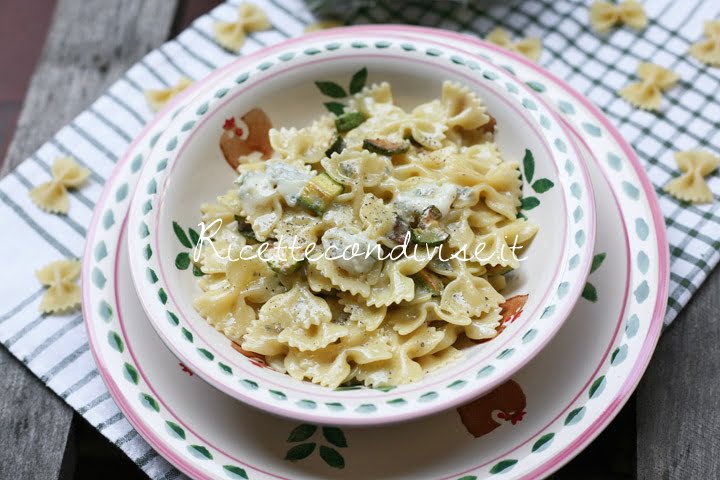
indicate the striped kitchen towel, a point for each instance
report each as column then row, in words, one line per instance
column 55, row 348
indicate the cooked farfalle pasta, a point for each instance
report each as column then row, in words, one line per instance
column 528, row 47
column 157, row 99
column 691, row 186
column 53, row 196
column 231, row 35
column 708, row 50
column 605, row 15
column 378, row 241
column 647, row 93
column 63, row 292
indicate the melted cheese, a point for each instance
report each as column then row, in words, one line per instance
column 419, row 198
column 355, row 252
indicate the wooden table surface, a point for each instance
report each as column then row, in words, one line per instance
column 670, row 428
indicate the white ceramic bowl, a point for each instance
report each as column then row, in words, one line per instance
column 186, row 169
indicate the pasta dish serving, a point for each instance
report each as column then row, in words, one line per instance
column 370, row 247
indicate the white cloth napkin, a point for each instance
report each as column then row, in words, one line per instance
column 55, row 348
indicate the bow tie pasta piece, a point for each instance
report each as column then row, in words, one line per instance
column 361, row 314
column 330, row 366
column 225, row 208
column 467, row 297
column 377, row 217
column 605, row 15
column 341, row 279
column 464, row 109
column 485, row 326
column 224, row 309
column 406, row 318
column 708, row 50
column 298, row 230
column 402, row 367
column 373, row 100
column 157, row 99
column 253, row 278
column 317, row 282
column 529, row 47
column 307, row 144
column 52, row 196
column 496, row 247
column 224, row 246
column 501, row 187
column 647, row 93
column 63, row 294
column 296, row 319
column 691, row 186
column 428, row 132
column 231, row 35
column 355, row 168
column 395, row 284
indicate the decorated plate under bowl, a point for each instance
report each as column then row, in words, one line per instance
column 185, row 169
column 527, row 427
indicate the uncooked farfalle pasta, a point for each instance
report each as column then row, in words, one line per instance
column 691, row 186
column 605, row 15
column 428, row 184
column 647, row 93
column 157, row 99
column 53, row 196
column 530, row 47
column 708, row 49
column 63, row 292
column 250, row 18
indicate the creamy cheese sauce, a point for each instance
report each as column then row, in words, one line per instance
column 352, row 249
column 419, row 198
column 255, row 187
column 289, row 180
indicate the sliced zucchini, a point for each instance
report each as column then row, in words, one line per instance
column 319, row 192
column 429, row 236
column 245, row 228
column 385, row 147
column 283, row 264
column 348, row 121
column 429, row 282
column 337, row 146
column 429, row 231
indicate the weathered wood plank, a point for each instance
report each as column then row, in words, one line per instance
column 678, row 425
column 89, row 45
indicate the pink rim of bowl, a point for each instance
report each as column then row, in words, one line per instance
column 310, row 415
